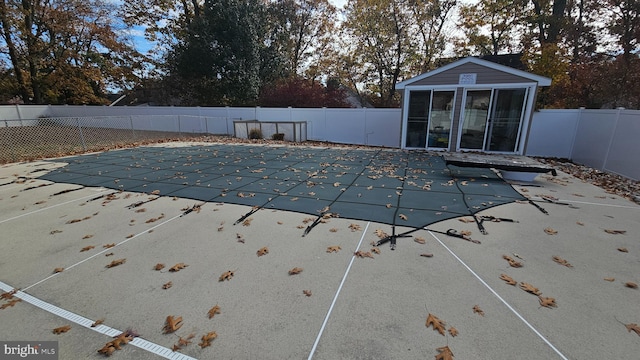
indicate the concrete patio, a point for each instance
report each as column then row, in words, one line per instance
column 359, row 308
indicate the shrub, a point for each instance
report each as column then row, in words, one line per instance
column 255, row 134
column 277, row 136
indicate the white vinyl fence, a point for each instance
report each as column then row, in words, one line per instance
column 603, row 139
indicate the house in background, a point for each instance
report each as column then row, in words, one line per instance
column 469, row 105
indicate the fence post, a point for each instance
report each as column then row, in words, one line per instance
column 613, row 135
column 84, row 144
column 179, row 129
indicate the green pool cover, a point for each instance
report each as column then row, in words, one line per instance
column 400, row 188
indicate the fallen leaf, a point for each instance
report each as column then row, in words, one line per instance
column 420, row 240
column 207, row 339
column 529, row 288
column 438, row 325
column 623, row 249
column 465, row 233
column 158, row 267
column 426, row 255
column 227, row 275
column 333, row 230
column 116, row 263
column 108, row 254
column 453, row 331
column 633, row 327
column 466, row 220
column 306, row 292
column 58, row 270
column 295, row 271
column 403, row 217
column 263, row 251
column 97, row 322
column 615, row 232
column 61, row 329
column 354, row 227
column 508, row 279
column 550, row 231
column 334, row 248
column 172, row 324
column 115, row 344
column 610, row 279
column 177, row 267
column 580, row 223
column 213, row 311
column 547, row 301
column 247, row 222
column 87, row 237
column 562, row 261
column 107, row 246
column 477, row 310
column 444, row 353
column 631, row 285
column 362, row 254
column 8, row 295
column 9, row 304
column 167, row 285
column 375, row 250
column 512, row 262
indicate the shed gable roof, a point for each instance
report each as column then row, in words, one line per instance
column 541, row 80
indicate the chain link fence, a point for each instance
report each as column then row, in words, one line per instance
column 26, row 140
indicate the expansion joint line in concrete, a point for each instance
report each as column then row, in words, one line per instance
column 335, row 297
column 48, row 207
column 547, row 342
column 104, row 250
column 87, row 323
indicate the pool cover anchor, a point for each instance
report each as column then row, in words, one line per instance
column 481, row 219
column 253, row 211
column 451, row 232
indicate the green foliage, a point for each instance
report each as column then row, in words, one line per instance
column 65, row 51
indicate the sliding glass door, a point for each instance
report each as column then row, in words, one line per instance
column 429, row 119
column 492, row 119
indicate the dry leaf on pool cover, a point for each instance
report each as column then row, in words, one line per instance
column 477, row 310
column 172, row 324
column 362, row 254
column 550, row 231
column 562, row 261
column 633, row 327
column 529, row 288
column 207, row 339
column 8, row 295
column 183, row 342
column 227, row 275
column 438, row 325
column 87, row 248
column 610, row 279
column 375, row 249
column 57, row 270
column 623, row 249
column 547, row 301
column 262, row 251
column 61, row 329
column 213, row 311
column 508, row 279
column 97, row 322
column 307, row 292
column 631, row 285
column 295, row 271
column 158, row 267
column 444, row 353
column 177, row 267
column 167, row 285
column 419, row 240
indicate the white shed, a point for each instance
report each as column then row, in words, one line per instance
column 469, row 105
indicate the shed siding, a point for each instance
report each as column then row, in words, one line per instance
column 485, row 75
